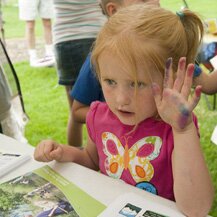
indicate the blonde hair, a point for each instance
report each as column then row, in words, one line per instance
column 149, row 35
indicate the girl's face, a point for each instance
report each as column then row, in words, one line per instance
column 129, row 105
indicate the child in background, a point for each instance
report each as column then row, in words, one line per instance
column 87, row 88
column 146, row 133
column 75, row 28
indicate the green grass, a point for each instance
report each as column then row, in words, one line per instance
column 46, row 102
column 206, row 8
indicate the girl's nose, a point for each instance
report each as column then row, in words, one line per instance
column 123, row 97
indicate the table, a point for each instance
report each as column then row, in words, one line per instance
column 101, row 187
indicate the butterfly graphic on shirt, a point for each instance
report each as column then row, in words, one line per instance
column 136, row 159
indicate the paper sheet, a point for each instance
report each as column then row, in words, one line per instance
column 10, row 161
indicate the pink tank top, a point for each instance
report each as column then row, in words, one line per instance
column 141, row 158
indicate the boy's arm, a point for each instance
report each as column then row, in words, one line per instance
column 207, row 81
column 79, row 111
column 193, row 188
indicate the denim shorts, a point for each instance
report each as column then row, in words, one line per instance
column 70, row 56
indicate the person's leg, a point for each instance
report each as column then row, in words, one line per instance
column 65, row 59
column 70, row 56
column 49, row 59
column 30, row 34
column 30, row 38
column 28, row 13
column 74, row 129
column 48, row 36
column 45, row 9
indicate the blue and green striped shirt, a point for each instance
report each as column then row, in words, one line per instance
column 76, row 19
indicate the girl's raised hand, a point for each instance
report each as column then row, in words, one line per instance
column 48, row 150
column 173, row 102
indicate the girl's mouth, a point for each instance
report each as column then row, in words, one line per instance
column 125, row 113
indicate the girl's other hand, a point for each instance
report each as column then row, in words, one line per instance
column 173, row 102
column 48, row 150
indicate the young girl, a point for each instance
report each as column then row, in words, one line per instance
column 146, row 133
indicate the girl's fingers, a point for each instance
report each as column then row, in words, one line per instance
column 39, row 152
column 180, row 75
column 168, row 77
column 56, row 154
column 195, row 98
column 43, row 150
column 186, row 87
column 48, row 148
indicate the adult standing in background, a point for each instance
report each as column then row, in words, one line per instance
column 76, row 24
column 28, row 11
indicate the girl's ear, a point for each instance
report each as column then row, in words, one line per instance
column 111, row 8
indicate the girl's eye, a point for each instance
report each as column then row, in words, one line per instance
column 110, row 82
column 139, row 84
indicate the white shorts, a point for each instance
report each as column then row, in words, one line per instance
column 30, row 9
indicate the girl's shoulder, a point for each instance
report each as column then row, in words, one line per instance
column 98, row 106
column 97, row 110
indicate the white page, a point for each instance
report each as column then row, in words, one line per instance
column 139, row 207
column 10, row 161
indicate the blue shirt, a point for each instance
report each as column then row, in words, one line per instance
column 87, row 87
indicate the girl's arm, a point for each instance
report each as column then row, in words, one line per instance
column 49, row 150
column 193, row 189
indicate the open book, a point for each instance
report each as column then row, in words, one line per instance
column 44, row 192
column 9, row 161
